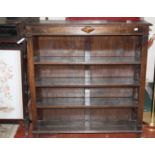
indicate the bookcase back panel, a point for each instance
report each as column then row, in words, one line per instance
column 56, row 46
column 80, row 92
column 121, row 46
column 76, row 48
column 78, row 42
column 124, row 114
column 112, row 71
column 59, row 92
column 46, row 71
column 63, row 114
column 60, row 71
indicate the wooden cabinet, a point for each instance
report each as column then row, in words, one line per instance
column 87, row 77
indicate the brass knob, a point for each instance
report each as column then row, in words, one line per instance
column 88, row 29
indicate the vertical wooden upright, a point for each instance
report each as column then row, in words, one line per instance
column 142, row 79
column 31, row 76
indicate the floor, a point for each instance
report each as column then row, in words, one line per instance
column 8, row 130
column 148, row 132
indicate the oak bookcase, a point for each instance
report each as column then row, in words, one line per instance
column 87, row 76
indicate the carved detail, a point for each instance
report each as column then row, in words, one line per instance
column 88, row 29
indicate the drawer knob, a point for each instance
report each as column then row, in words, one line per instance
column 136, row 29
column 88, row 29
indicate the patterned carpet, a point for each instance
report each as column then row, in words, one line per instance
column 8, row 130
column 147, row 117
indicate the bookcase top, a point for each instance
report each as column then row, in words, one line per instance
column 87, row 22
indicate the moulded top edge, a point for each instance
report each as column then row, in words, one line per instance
column 90, row 22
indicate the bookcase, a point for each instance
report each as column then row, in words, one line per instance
column 87, row 76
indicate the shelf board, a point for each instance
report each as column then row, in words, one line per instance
column 87, row 82
column 49, row 60
column 85, row 126
column 86, row 103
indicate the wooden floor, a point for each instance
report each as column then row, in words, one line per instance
column 148, row 132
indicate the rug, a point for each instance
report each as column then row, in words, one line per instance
column 8, row 130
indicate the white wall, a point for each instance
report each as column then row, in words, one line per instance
column 151, row 52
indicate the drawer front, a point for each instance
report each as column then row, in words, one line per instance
column 87, row 30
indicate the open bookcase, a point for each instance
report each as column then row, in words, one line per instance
column 86, row 77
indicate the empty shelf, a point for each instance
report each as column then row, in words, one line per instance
column 86, row 102
column 85, row 126
column 82, row 60
column 86, row 82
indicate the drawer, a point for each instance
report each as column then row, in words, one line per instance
column 86, row 30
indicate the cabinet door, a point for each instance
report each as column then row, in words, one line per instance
column 11, row 106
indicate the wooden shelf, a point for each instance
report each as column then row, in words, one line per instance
column 87, row 82
column 48, row 60
column 85, row 126
column 86, row 102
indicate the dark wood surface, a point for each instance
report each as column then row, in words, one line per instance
column 142, row 79
column 80, row 102
column 87, row 77
column 31, row 80
column 147, row 132
column 76, row 28
column 86, row 127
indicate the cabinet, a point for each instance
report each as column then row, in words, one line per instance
column 87, row 77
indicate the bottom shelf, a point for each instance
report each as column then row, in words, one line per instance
column 86, row 126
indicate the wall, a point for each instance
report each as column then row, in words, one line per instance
column 151, row 52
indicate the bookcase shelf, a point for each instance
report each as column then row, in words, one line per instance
column 81, row 60
column 85, row 126
column 87, row 82
column 86, row 102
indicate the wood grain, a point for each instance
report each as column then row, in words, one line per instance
column 87, row 82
